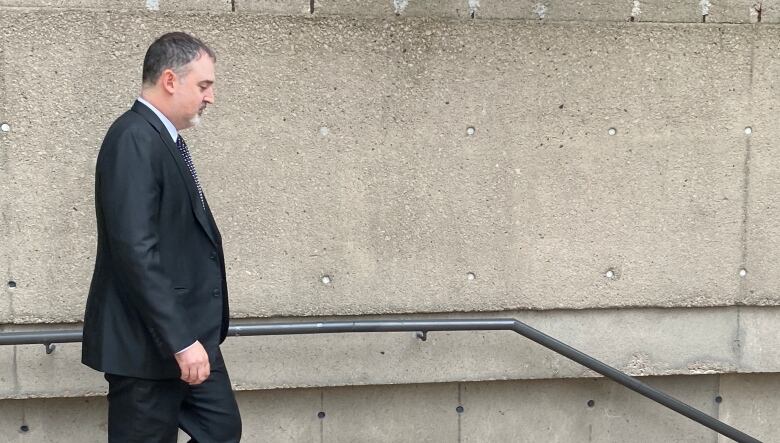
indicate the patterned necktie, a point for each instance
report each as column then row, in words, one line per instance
column 185, row 153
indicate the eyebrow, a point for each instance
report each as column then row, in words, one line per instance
column 206, row 82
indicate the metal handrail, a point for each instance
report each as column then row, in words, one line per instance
column 48, row 338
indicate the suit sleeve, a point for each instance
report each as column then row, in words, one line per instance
column 129, row 190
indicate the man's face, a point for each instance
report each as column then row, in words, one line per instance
column 195, row 90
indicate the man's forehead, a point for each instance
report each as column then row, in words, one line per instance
column 203, row 60
column 202, row 69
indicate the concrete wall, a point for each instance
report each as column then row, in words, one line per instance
column 603, row 170
column 706, row 341
column 572, row 411
column 339, row 147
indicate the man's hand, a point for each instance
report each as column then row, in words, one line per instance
column 194, row 364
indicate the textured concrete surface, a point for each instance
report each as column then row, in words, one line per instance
column 592, row 10
column 424, row 413
column 80, row 420
column 751, row 403
column 268, row 416
column 359, row 166
column 6, row 305
column 50, row 217
column 194, row 5
column 551, row 410
column 760, row 338
column 281, row 7
column 640, row 342
column 730, row 11
column 43, row 374
column 8, row 379
column 763, row 214
column 770, row 12
column 426, row 162
column 527, row 411
column 288, row 415
column 129, row 5
column 737, row 11
column 367, row 8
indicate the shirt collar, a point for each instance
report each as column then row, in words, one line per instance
column 168, row 125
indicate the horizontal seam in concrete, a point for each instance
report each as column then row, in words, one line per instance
column 491, row 311
column 141, row 10
column 19, row 327
column 92, row 394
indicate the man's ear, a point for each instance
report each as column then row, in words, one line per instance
column 168, row 80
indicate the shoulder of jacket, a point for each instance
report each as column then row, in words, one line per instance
column 131, row 126
column 132, row 134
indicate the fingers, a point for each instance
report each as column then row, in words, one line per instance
column 185, row 374
column 194, row 364
column 196, row 374
column 201, row 374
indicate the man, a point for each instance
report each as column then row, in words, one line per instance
column 157, row 309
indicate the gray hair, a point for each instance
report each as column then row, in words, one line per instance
column 174, row 51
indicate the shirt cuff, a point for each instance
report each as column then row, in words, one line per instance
column 186, row 348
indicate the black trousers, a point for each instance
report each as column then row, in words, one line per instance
column 151, row 411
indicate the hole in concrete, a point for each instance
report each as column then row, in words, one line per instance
column 11, row 284
column 748, row 130
column 5, row 127
column 718, row 399
column 612, row 274
column 321, row 414
column 471, row 130
column 459, row 409
column 612, row 131
column 591, row 403
column 24, row 428
column 471, row 276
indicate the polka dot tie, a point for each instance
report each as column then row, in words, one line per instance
column 185, row 153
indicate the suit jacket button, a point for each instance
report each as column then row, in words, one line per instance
column 216, row 292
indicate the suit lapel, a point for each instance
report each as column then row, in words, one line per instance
column 192, row 190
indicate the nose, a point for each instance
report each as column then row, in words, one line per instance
column 209, row 97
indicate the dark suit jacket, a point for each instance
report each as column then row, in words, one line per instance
column 159, row 280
